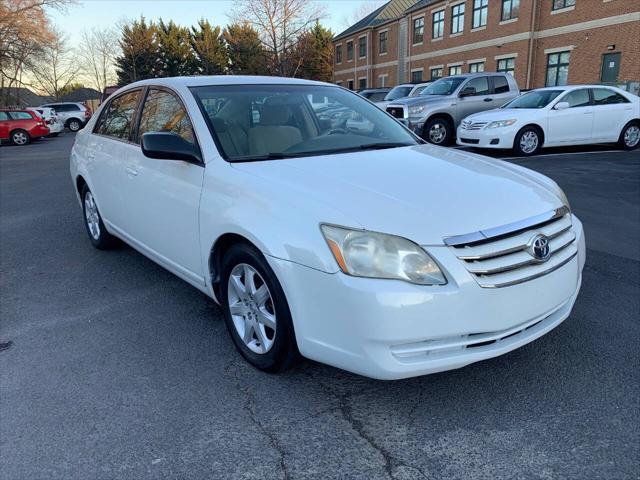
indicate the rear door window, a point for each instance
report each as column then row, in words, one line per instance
column 21, row 116
column 3, row 116
column 500, row 84
column 163, row 112
column 604, row 96
column 117, row 120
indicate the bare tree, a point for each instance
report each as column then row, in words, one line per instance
column 360, row 12
column 280, row 24
column 55, row 66
column 97, row 55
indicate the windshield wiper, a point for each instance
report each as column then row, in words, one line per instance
column 285, row 155
column 382, row 145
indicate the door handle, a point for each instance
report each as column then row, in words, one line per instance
column 91, row 155
column 488, row 99
column 131, row 171
column 588, row 112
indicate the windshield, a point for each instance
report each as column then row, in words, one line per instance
column 535, row 99
column 444, row 86
column 263, row 122
column 398, row 92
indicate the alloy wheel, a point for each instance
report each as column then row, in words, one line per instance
column 529, row 141
column 20, row 138
column 632, row 136
column 252, row 309
column 74, row 125
column 92, row 216
column 437, row 132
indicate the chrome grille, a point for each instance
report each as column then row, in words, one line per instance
column 469, row 125
column 397, row 112
column 503, row 256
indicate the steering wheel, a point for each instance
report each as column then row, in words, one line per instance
column 335, row 131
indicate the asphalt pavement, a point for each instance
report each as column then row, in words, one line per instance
column 118, row 369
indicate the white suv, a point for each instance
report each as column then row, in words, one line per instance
column 73, row 115
column 365, row 249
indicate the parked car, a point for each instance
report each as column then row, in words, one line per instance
column 374, row 94
column 372, row 252
column 73, row 115
column 437, row 111
column 397, row 92
column 21, row 126
column 557, row 116
column 50, row 119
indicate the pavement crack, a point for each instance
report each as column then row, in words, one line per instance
column 390, row 462
column 250, row 406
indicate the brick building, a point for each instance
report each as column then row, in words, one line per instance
column 541, row 42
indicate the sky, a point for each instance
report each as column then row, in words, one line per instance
column 99, row 13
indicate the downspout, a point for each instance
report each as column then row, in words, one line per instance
column 532, row 31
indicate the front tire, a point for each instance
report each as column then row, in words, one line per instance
column 20, row 137
column 630, row 136
column 256, row 311
column 74, row 124
column 438, row 131
column 98, row 235
column 528, row 141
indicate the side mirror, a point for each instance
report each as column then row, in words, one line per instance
column 561, row 106
column 169, row 146
column 468, row 92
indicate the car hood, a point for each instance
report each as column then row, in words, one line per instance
column 424, row 193
column 501, row 114
column 421, row 100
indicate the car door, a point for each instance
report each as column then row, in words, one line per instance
column 481, row 100
column 164, row 195
column 4, row 126
column 107, row 149
column 572, row 125
column 611, row 112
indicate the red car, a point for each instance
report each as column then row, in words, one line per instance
column 21, row 126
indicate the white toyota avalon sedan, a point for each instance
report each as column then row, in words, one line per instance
column 554, row 117
column 366, row 250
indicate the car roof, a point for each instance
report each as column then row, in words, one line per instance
column 207, row 80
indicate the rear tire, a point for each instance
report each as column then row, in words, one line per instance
column 269, row 349
column 98, row 235
column 20, row 137
column 528, row 141
column 438, row 131
column 630, row 136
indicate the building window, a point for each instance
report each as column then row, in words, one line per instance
column 362, row 84
column 418, row 30
column 349, row 51
column 350, row 84
column 560, row 4
column 383, row 42
column 510, row 9
column 455, row 70
column 416, row 76
column 476, row 67
column 436, row 73
column 506, row 65
column 557, row 68
column 457, row 18
column 382, row 81
column 480, row 11
column 339, row 54
column 438, row 24
column 362, row 47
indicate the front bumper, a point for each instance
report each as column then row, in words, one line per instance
column 391, row 329
column 499, row 138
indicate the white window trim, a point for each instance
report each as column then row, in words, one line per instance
column 563, row 10
column 507, row 22
column 568, row 48
column 453, row 4
column 438, row 9
column 455, row 64
column 432, row 67
column 453, row 35
column 477, row 60
column 421, row 69
column 506, row 55
column 341, row 54
column 477, row 29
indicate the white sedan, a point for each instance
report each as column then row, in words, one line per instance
column 554, row 117
column 364, row 249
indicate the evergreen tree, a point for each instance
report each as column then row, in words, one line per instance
column 313, row 54
column 209, row 49
column 246, row 53
column 176, row 55
column 139, row 57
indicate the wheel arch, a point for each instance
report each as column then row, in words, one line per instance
column 80, row 183
column 538, row 127
column 447, row 116
column 19, row 130
column 69, row 120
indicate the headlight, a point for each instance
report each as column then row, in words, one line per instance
column 376, row 255
column 563, row 198
column 502, row 123
column 417, row 110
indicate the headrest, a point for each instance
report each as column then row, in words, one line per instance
column 274, row 114
column 219, row 125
